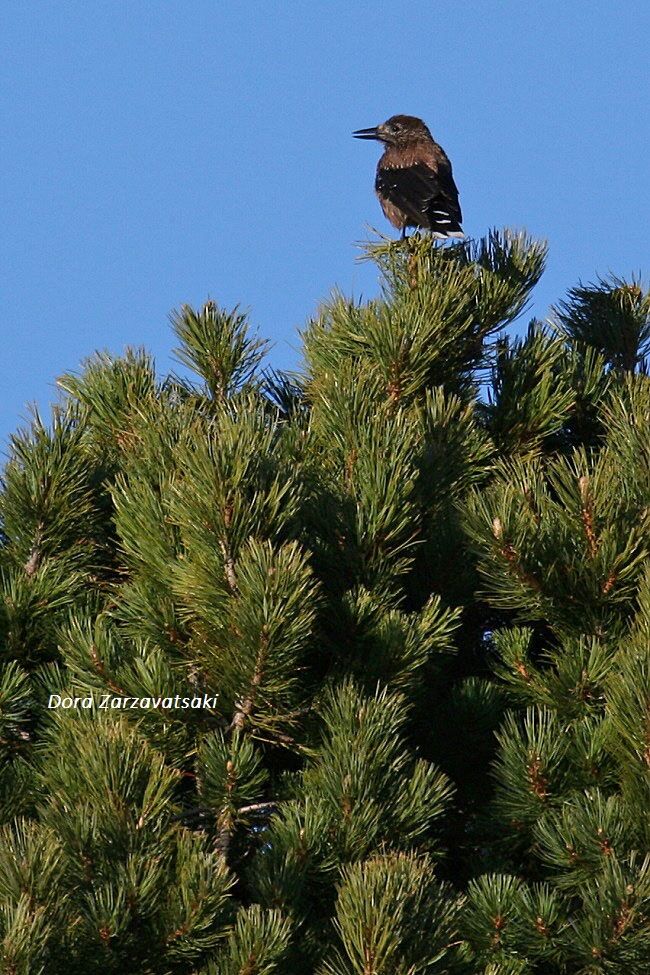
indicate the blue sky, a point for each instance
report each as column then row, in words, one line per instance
column 161, row 152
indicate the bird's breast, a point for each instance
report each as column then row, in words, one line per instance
column 401, row 157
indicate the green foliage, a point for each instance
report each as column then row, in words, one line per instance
column 564, row 539
column 258, row 944
column 392, row 916
column 532, row 399
column 110, row 389
column 56, row 532
column 364, row 774
column 613, row 317
column 216, row 346
column 438, row 307
column 362, row 792
column 512, row 925
column 106, row 854
column 394, row 648
column 359, row 657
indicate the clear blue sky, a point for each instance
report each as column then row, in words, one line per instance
column 155, row 152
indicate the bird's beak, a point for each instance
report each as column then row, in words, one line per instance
column 372, row 133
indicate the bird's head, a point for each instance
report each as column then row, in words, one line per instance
column 396, row 131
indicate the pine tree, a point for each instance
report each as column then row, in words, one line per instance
column 342, row 672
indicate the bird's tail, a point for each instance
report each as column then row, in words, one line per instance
column 444, row 224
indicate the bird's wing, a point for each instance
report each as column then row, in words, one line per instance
column 413, row 189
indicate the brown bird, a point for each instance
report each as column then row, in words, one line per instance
column 414, row 181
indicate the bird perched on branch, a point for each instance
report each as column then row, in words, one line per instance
column 414, row 181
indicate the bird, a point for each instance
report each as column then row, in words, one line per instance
column 414, row 179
